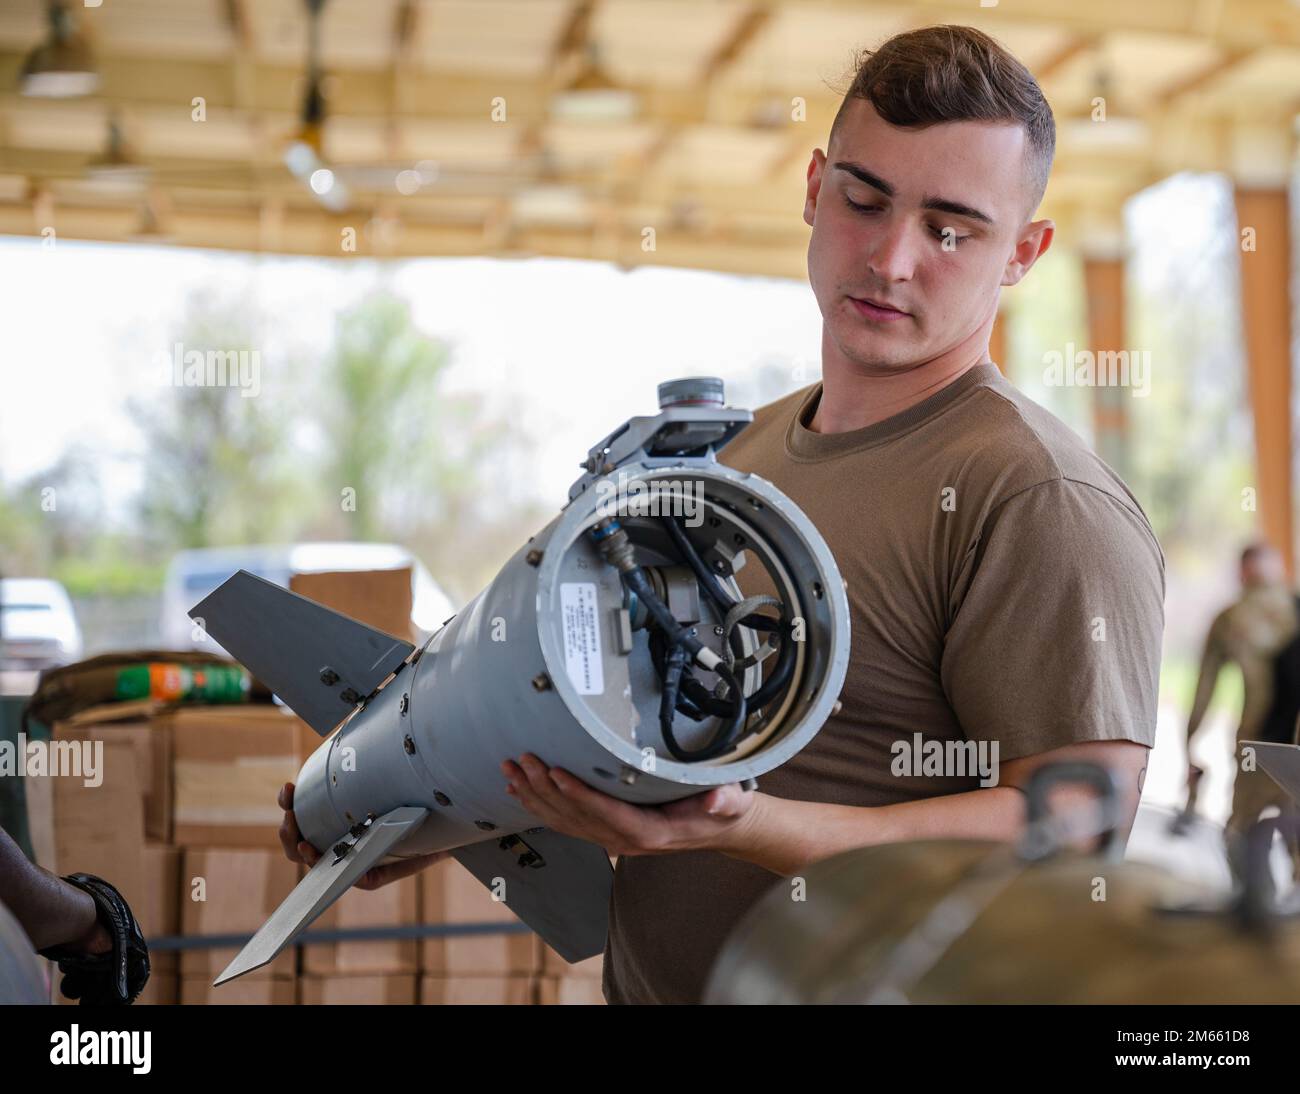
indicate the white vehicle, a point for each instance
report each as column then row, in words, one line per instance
column 38, row 628
column 193, row 574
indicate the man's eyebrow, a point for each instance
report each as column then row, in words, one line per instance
column 863, row 175
column 942, row 205
column 956, row 208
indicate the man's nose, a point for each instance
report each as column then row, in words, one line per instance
column 893, row 256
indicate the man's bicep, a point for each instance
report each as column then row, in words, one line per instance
column 1056, row 639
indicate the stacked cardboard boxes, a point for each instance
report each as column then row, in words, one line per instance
column 365, row 971
column 165, row 811
column 472, row 968
column 182, row 817
column 232, row 891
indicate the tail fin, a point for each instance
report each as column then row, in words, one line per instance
column 324, row 884
column 318, row 661
column 559, row 885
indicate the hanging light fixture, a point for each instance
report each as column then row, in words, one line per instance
column 592, row 96
column 303, row 154
column 116, row 163
column 61, row 67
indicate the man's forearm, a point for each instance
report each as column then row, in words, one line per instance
column 51, row 911
column 784, row 836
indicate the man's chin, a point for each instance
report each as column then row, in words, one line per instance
column 880, row 352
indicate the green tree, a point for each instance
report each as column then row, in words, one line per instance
column 409, row 461
column 218, row 466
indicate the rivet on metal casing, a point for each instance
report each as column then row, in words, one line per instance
column 541, row 682
column 534, row 557
column 409, row 745
column 404, row 704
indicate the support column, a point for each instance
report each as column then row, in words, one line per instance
column 1103, row 278
column 1263, row 218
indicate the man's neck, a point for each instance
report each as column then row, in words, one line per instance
column 854, row 397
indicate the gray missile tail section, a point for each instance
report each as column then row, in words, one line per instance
column 334, row 873
column 320, row 662
column 557, row 884
column 575, row 652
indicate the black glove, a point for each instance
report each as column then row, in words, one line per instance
column 114, row 978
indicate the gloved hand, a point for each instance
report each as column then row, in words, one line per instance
column 114, row 978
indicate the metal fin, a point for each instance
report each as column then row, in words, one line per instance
column 560, row 889
column 326, row 881
column 321, row 663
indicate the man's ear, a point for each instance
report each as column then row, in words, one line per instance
column 816, row 166
column 1034, row 240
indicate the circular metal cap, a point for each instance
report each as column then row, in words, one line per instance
column 692, row 391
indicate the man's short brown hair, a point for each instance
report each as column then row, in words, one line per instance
column 955, row 74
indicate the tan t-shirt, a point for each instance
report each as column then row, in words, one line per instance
column 1003, row 585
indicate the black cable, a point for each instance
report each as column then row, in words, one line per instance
column 709, row 581
column 681, row 644
column 681, row 691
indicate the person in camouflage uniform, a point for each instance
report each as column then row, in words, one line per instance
column 1248, row 633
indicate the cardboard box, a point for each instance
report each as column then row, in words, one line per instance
column 151, row 754
column 229, row 763
column 247, row 990
column 451, row 894
column 241, row 887
column 353, row 990
column 377, row 598
column 476, row 990
column 158, row 911
column 394, row 905
column 580, row 991
column 99, row 829
column 158, row 906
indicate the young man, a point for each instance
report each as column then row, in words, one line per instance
column 1005, row 586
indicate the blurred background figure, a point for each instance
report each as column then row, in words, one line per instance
column 1251, row 633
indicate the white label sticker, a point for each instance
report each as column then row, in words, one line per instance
column 578, row 604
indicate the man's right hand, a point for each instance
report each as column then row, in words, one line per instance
column 299, row 850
